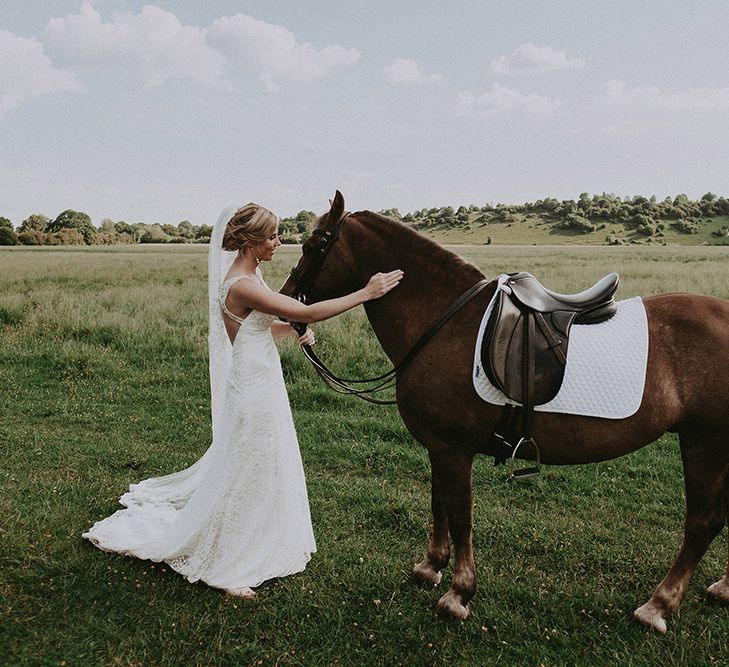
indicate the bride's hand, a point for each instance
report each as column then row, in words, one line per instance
column 381, row 283
column 307, row 338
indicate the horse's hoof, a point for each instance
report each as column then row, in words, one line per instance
column 449, row 606
column 720, row 590
column 649, row 614
column 425, row 574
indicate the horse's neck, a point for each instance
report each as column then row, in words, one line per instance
column 434, row 278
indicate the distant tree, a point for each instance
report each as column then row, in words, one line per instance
column 153, row 234
column 107, row 225
column 722, row 206
column 203, row 233
column 122, row 227
column 76, row 220
column 34, row 222
column 644, row 224
column 504, row 215
column 709, row 196
column 65, row 236
column 171, row 230
column 185, row 229
column 550, row 204
column 5, row 223
column 584, row 203
column 106, row 238
column 687, row 226
column 577, row 222
column 462, row 214
column 566, row 207
column 32, row 237
column 8, row 236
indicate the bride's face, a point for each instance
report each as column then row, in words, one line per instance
column 265, row 250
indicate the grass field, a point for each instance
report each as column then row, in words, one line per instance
column 103, row 380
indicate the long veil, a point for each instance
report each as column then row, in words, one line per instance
column 219, row 348
column 176, row 488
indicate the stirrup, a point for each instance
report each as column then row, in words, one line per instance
column 523, row 473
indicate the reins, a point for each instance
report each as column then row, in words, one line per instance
column 388, row 379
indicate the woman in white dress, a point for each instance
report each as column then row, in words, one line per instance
column 240, row 515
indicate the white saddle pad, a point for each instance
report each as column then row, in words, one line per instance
column 606, row 365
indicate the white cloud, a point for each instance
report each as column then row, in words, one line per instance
column 153, row 43
column 402, row 70
column 501, row 99
column 273, row 52
column 617, row 94
column 620, row 111
column 530, row 59
column 26, row 72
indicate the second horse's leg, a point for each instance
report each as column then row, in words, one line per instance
column 454, row 472
column 705, row 468
column 720, row 589
column 429, row 569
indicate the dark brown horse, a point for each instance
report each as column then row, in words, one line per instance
column 686, row 392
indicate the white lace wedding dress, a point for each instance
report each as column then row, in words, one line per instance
column 240, row 515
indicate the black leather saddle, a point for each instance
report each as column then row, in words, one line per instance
column 524, row 351
column 524, row 348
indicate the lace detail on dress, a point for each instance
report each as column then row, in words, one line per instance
column 240, row 514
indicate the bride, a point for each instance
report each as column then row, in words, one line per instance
column 239, row 515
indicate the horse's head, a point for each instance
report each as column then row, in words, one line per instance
column 324, row 270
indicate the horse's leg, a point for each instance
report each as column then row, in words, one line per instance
column 429, row 569
column 453, row 469
column 705, row 470
column 720, row 589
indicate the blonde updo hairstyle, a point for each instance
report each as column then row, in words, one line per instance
column 250, row 224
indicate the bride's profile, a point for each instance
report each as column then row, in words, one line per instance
column 239, row 515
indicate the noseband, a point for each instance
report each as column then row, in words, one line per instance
column 302, row 284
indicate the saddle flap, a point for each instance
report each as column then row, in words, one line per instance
column 496, row 348
column 504, row 344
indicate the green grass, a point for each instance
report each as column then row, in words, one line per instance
column 103, row 381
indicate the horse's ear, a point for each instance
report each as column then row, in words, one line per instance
column 337, row 206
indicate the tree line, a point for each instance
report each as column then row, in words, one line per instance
column 640, row 215
column 75, row 228
column 645, row 216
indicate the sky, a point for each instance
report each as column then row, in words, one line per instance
column 174, row 110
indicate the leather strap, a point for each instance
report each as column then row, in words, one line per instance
column 386, row 380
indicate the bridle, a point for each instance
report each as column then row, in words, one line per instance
column 303, row 281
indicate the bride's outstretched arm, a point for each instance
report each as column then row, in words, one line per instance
column 247, row 294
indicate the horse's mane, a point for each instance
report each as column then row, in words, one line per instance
column 420, row 243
